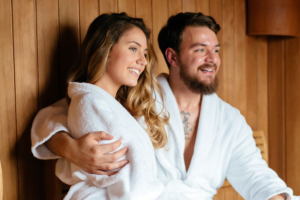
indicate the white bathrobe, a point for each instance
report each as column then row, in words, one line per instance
column 224, row 148
column 93, row 109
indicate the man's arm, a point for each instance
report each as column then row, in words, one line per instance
column 50, row 141
column 86, row 152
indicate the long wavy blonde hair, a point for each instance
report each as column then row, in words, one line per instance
column 91, row 64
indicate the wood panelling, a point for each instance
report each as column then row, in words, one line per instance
column 40, row 41
column 8, row 135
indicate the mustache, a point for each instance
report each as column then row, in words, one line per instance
column 204, row 66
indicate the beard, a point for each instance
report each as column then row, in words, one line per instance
column 198, row 86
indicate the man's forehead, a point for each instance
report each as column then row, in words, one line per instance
column 199, row 34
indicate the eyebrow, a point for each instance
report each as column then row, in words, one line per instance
column 138, row 44
column 204, row 45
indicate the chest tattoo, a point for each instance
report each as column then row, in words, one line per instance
column 186, row 123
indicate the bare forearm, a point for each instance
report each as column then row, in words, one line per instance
column 279, row 197
column 58, row 142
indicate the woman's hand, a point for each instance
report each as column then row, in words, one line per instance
column 279, row 197
column 86, row 153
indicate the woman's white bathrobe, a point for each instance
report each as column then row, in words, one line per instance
column 93, row 109
column 224, row 148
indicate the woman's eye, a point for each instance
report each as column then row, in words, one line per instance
column 133, row 49
column 216, row 50
column 200, row 50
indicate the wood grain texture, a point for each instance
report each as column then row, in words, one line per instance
column 160, row 17
column 292, row 95
column 89, row 10
column 228, row 56
column 8, row 132
column 189, row 5
column 48, row 50
column 108, row 6
column 203, row 6
column 174, row 7
column 69, row 38
column 144, row 11
column 276, row 108
column 26, row 73
column 127, row 6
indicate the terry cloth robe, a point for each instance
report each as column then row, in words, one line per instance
column 93, row 109
column 211, row 162
column 224, row 148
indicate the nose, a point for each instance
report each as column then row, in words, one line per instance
column 142, row 60
column 210, row 57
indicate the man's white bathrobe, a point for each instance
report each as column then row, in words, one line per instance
column 224, row 148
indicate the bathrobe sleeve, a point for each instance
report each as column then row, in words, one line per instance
column 248, row 173
column 47, row 122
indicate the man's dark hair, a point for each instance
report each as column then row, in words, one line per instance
column 171, row 34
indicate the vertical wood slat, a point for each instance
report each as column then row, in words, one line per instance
column 89, row 10
column 160, row 17
column 276, row 108
column 48, row 37
column 240, row 56
column 174, row 7
column 144, row 11
column 228, row 56
column 292, row 95
column 127, row 6
column 189, row 6
column 108, row 6
column 8, row 135
column 69, row 38
column 203, row 6
column 26, row 73
column 215, row 10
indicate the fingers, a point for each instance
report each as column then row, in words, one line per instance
column 101, row 135
column 106, row 168
column 111, row 157
column 106, row 148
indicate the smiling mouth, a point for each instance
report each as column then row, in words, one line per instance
column 134, row 70
column 207, row 70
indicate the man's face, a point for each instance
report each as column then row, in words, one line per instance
column 199, row 59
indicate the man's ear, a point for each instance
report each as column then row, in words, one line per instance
column 171, row 56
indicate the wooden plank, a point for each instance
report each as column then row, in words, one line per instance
column 89, row 10
column 68, row 37
column 175, row 7
column 215, row 10
column 108, row 6
column 160, row 17
column 1, row 182
column 292, row 96
column 203, row 6
column 144, row 11
column 230, row 193
column 240, row 55
column 26, row 73
column 228, row 57
column 48, row 50
column 276, row 109
column 189, row 6
column 220, row 194
column 127, row 6
column 262, row 86
column 8, row 132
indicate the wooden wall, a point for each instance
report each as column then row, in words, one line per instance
column 40, row 39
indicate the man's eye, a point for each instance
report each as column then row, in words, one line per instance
column 145, row 55
column 133, row 49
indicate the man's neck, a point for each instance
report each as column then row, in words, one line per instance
column 185, row 98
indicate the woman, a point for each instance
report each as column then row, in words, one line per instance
column 110, row 86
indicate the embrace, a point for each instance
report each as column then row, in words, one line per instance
column 123, row 133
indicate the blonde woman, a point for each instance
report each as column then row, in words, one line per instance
column 110, row 86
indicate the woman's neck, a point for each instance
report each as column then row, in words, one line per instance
column 106, row 83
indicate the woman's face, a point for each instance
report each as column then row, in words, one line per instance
column 127, row 59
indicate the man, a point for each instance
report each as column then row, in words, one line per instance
column 213, row 138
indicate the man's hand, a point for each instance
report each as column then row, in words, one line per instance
column 86, row 153
column 279, row 197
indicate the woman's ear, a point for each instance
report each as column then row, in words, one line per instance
column 171, row 56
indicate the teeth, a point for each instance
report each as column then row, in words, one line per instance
column 207, row 70
column 133, row 70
